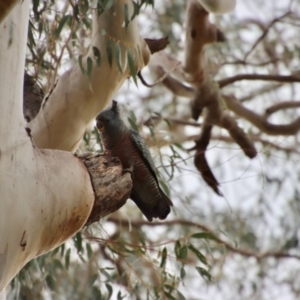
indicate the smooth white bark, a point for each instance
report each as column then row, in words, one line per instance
column 45, row 195
column 76, row 100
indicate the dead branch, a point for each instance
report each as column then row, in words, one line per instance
column 156, row 45
column 200, row 159
column 111, row 187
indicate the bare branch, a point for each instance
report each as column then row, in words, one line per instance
column 255, row 138
column 160, row 79
column 156, row 45
column 260, row 121
column 200, row 159
column 281, row 106
column 264, row 77
column 238, row 135
column 265, row 32
column 228, row 246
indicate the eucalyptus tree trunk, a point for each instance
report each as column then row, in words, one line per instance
column 46, row 196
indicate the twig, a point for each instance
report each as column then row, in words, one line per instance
column 280, row 106
column 228, row 246
column 265, row 77
column 265, row 32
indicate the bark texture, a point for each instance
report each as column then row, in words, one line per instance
column 112, row 188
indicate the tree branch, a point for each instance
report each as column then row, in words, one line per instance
column 280, row 78
column 261, row 122
column 78, row 97
column 281, row 106
column 228, row 246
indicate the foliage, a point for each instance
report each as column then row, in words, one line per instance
column 237, row 247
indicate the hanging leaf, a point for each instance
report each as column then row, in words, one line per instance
column 204, row 235
column 126, row 16
column 204, row 273
column 81, row 65
column 97, row 55
column 110, row 290
column 164, row 255
column 50, row 282
column 132, row 69
column 136, row 10
column 67, row 258
column 89, row 63
column 62, row 23
column 93, row 279
column 118, row 56
column 180, row 296
column 183, row 252
column 200, row 256
column 182, row 272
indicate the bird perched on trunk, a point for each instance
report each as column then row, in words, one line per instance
column 126, row 144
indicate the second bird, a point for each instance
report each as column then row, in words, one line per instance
column 126, row 144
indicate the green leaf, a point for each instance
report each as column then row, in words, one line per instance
column 57, row 264
column 133, row 124
column 35, row 4
column 50, row 282
column 177, row 248
column 97, row 55
column 83, row 6
column 110, row 290
column 96, row 293
column 55, row 251
column 204, row 235
column 200, row 256
column 105, row 273
column 126, row 15
column 169, row 296
column 164, row 186
column 108, row 5
column 89, row 250
column 180, row 296
column 204, row 273
column 93, row 279
column 136, row 10
column 164, row 255
column 81, row 65
column 78, row 242
column 118, row 56
column 182, row 272
column 61, row 24
column 67, row 258
column 109, row 52
column 132, row 69
column 183, row 252
column 119, row 296
column 62, row 250
column 89, row 67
